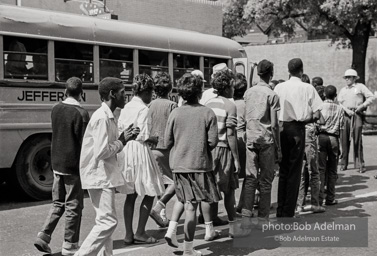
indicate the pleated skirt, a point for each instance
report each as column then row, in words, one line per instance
column 196, row 187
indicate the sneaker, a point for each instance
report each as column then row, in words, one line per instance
column 299, row 209
column 192, row 253
column 157, row 218
column 215, row 234
column 342, row 168
column 333, row 202
column 318, row 209
column 42, row 245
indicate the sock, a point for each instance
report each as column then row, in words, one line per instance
column 188, row 246
column 159, row 206
column 172, row 232
column 232, row 223
column 209, row 229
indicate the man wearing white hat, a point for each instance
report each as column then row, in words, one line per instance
column 209, row 93
column 354, row 98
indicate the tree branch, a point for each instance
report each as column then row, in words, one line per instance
column 336, row 23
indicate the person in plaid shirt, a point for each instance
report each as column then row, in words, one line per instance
column 328, row 140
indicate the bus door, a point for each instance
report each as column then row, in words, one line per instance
column 241, row 65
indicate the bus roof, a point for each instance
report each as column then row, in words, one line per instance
column 30, row 22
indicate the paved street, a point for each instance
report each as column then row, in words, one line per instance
column 20, row 221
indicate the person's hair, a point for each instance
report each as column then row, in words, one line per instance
column 295, row 66
column 240, row 86
column 222, row 80
column 265, row 69
column 320, row 90
column 190, row 87
column 305, row 78
column 73, row 87
column 109, row 84
column 142, row 83
column 330, row 92
column 317, row 81
column 162, row 84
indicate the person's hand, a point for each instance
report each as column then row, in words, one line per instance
column 360, row 109
column 279, row 156
column 237, row 166
column 135, row 132
column 126, row 135
column 350, row 112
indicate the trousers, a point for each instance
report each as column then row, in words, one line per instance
column 99, row 241
column 328, row 159
column 292, row 139
column 67, row 196
column 352, row 130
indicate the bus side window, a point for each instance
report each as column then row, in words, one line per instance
column 73, row 59
column 151, row 62
column 25, row 58
column 240, row 68
column 184, row 64
column 116, row 62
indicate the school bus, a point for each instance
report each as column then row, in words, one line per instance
column 40, row 50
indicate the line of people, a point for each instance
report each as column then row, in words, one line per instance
column 196, row 151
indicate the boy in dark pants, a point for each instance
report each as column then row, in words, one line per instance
column 328, row 140
column 69, row 121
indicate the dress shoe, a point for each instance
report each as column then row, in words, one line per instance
column 333, row 202
column 362, row 169
column 42, row 245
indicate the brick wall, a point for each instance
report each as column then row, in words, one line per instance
column 197, row 15
column 320, row 59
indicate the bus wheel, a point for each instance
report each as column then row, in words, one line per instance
column 33, row 168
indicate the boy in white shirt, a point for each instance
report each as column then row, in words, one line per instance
column 101, row 165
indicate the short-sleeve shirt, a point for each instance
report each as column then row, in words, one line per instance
column 298, row 100
column 260, row 99
column 334, row 117
column 226, row 114
column 158, row 115
column 353, row 96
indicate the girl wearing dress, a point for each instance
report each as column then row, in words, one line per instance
column 191, row 134
column 141, row 171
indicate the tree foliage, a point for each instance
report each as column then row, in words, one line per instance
column 350, row 20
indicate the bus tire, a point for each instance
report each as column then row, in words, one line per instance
column 33, row 171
